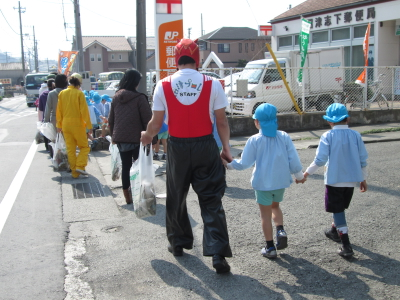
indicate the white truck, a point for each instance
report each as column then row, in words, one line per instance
column 260, row 81
column 33, row 81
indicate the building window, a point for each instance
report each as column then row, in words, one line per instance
column 285, row 41
column 112, row 56
column 341, row 34
column 120, row 57
column 296, row 40
column 224, row 48
column 252, row 47
column 203, row 46
column 359, row 31
column 240, row 47
column 246, row 47
column 98, row 57
column 320, row 36
column 91, row 57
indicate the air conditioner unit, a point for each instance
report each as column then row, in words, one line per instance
column 242, row 87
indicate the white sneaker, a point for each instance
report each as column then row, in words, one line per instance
column 269, row 253
column 83, row 172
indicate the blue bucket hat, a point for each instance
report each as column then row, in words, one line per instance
column 336, row 112
column 266, row 115
column 106, row 97
column 96, row 98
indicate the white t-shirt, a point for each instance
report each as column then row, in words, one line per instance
column 187, row 85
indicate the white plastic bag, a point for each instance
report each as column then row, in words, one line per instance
column 39, row 137
column 142, row 184
column 60, row 158
column 116, row 163
column 48, row 130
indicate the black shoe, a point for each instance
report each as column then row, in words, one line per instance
column 333, row 235
column 220, row 264
column 346, row 251
column 178, row 251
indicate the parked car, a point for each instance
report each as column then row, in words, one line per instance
column 1, row 90
column 211, row 74
column 227, row 80
column 112, row 85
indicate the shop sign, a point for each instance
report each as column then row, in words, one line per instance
column 342, row 18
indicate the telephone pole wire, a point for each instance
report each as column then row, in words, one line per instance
column 22, row 39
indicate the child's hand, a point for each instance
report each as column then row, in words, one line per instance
column 363, row 186
column 224, row 162
column 301, row 181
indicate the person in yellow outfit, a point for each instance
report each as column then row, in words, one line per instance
column 72, row 119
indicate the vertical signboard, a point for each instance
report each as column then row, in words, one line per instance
column 303, row 39
column 169, row 29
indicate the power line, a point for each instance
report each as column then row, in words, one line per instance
column 8, row 23
column 65, row 24
column 252, row 12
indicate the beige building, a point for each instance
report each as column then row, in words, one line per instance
column 106, row 53
column 233, row 45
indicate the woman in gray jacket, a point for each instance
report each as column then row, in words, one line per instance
column 61, row 83
column 129, row 114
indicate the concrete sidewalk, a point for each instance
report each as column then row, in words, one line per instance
column 111, row 254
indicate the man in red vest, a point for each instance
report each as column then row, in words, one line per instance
column 190, row 101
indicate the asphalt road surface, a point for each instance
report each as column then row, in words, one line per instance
column 57, row 246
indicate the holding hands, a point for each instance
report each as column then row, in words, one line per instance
column 305, row 174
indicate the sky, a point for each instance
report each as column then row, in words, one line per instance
column 54, row 24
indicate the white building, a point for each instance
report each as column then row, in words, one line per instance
column 344, row 22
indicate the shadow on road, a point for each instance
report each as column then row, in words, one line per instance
column 206, row 283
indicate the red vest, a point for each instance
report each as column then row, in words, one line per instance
column 188, row 121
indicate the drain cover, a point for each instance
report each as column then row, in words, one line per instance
column 87, row 190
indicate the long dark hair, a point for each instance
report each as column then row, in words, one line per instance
column 130, row 80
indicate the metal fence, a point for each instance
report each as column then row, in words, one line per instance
column 247, row 88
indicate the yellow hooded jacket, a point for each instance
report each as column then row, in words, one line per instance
column 72, row 109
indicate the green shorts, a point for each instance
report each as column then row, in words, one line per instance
column 267, row 197
column 163, row 135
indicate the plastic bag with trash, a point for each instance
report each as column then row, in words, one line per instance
column 142, row 184
column 60, row 157
column 116, row 163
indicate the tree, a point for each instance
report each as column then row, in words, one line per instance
column 241, row 63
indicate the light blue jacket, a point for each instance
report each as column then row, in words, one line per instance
column 343, row 152
column 275, row 159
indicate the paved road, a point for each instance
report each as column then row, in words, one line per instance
column 110, row 254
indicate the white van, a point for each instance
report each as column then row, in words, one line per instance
column 260, row 81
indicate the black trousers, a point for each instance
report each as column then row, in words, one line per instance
column 127, row 159
column 195, row 161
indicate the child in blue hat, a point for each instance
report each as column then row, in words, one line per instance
column 275, row 158
column 342, row 152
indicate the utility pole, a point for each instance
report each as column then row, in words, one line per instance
column 141, row 43
column 22, row 39
column 78, row 36
column 48, row 68
column 6, row 57
column 189, row 29
column 35, row 54
column 201, row 15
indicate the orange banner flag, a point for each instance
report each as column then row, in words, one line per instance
column 363, row 75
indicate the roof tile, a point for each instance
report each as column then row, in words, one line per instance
column 114, row 43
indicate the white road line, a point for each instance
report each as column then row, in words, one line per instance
column 3, row 134
column 12, row 192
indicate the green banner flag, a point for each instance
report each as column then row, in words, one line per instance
column 303, row 41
